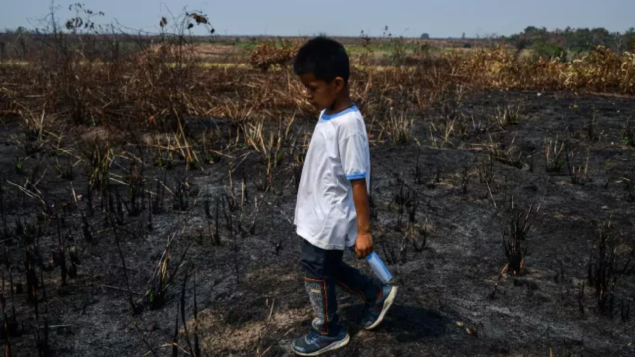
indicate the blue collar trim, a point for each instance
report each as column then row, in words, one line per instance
column 350, row 109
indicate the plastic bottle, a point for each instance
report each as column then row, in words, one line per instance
column 379, row 268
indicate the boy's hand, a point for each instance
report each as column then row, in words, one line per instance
column 363, row 245
column 363, row 241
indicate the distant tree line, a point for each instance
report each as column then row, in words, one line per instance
column 24, row 44
column 570, row 43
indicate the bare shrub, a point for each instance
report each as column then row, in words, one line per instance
column 515, row 225
column 267, row 55
column 609, row 260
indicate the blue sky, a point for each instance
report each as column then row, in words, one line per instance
column 439, row 18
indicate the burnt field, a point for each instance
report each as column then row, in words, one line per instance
column 509, row 240
column 147, row 200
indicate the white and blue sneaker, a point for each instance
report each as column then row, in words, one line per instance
column 376, row 310
column 314, row 344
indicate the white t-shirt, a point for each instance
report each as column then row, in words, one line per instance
column 325, row 213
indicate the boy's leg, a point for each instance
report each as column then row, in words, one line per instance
column 353, row 281
column 320, row 266
column 378, row 298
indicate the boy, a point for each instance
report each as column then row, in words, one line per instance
column 332, row 211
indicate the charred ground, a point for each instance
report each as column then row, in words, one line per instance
column 443, row 210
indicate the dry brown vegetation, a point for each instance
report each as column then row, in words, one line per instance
column 151, row 184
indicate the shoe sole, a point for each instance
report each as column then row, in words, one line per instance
column 331, row 347
column 387, row 304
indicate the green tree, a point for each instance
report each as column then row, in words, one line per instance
column 547, row 50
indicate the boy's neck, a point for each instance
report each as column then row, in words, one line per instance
column 341, row 103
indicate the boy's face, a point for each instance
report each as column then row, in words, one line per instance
column 321, row 94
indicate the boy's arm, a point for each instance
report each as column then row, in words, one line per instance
column 364, row 240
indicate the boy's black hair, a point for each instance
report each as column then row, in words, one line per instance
column 324, row 57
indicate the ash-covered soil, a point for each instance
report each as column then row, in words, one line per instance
column 441, row 209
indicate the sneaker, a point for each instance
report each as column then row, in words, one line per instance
column 377, row 309
column 314, row 344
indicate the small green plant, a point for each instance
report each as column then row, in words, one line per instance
column 164, row 161
column 433, row 139
column 99, row 156
column 33, row 125
column 212, row 158
column 398, row 128
column 448, row 131
column 507, row 154
column 513, row 114
column 462, row 128
column 553, row 155
column 65, row 170
column 18, row 165
column 156, row 296
column 578, row 173
column 507, row 115
column 192, row 164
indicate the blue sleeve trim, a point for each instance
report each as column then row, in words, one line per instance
column 358, row 176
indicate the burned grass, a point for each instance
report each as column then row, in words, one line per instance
column 149, row 203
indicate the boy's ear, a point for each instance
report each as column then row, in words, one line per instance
column 338, row 82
